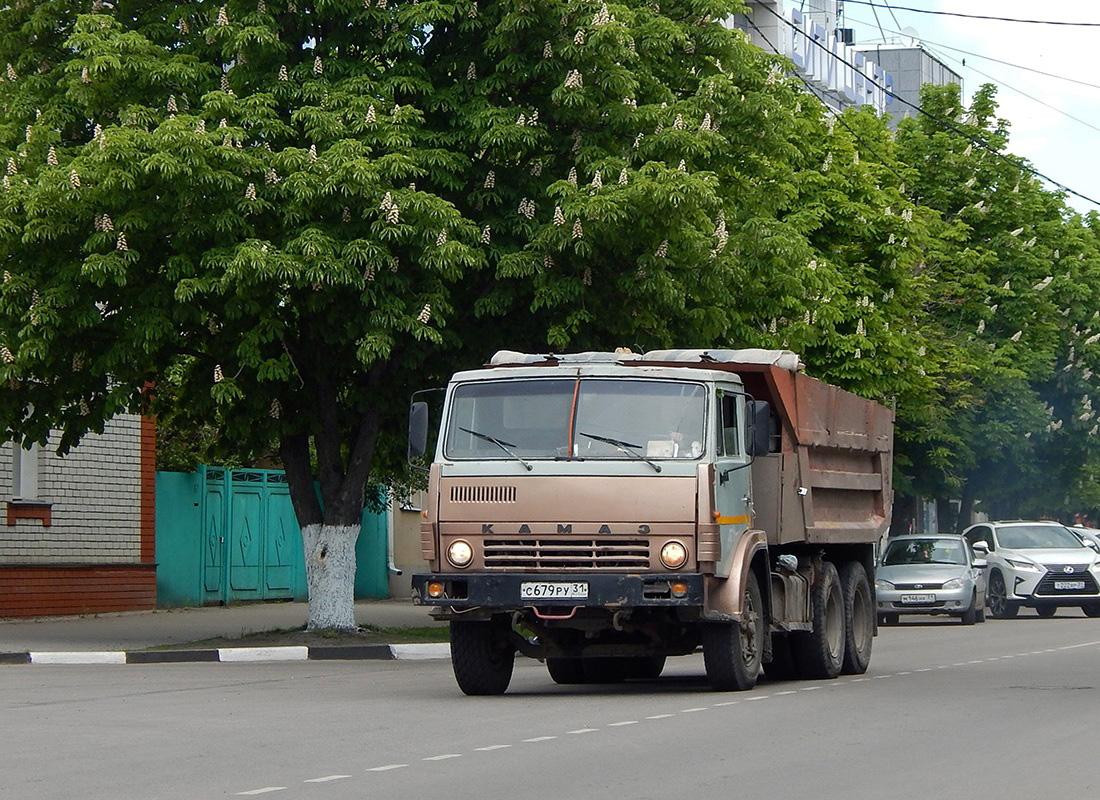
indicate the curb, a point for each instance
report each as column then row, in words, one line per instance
column 375, row 652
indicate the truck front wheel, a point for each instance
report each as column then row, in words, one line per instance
column 819, row 653
column 481, row 656
column 732, row 652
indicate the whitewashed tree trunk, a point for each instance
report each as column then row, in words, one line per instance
column 330, row 575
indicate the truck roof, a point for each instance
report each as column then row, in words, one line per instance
column 706, row 358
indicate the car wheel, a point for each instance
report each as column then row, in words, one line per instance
column 970, row 616
column 1046, row 611
column 979, row 615
column 1091, row 609
column 999, row 605
column 888, row 619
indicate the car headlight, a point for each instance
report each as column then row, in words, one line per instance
column 881, row 584
column 954, row 583
column 460, row 553
column 673, row 555
column 1022, row 564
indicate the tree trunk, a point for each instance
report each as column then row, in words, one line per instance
column 966, row 507
column 330, row 575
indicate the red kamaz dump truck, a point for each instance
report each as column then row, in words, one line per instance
column 604, row 511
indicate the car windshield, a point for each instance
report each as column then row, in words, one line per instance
column 924, row 551
column 622, row 419
column 1036, row 537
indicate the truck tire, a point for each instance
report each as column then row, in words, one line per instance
column 606, row 669
column 645, row 668
column 732, row 651
column 819, row 653
column 859, row 618
column 481, row 656
column 566, row 670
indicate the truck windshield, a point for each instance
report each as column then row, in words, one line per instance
column 565, row 418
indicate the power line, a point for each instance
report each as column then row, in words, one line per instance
column 1025, row 94
column 987, row 58
column 839, row 118
column 977, row 16
column 950, row 126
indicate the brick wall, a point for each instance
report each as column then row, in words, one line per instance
column 87, row 544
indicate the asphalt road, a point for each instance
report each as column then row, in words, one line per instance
column 1004, row 709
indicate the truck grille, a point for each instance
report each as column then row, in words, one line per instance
column 558, row 553
column 1056, row 572
column 483, row 494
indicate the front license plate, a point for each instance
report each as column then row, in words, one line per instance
column 918, row 598
column 1069, row 585
column 570, row 590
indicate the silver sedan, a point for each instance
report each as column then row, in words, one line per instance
column 936, row 574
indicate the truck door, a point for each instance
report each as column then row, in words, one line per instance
column 732, row 489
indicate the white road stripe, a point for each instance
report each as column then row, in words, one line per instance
column 492, row 747
column 691, row 710
column 541, row 739
column 93, row 657
column 584, row 730
column 298, row 653
column 660, row 716
column 265, row 790
column 621, row 724
column 443, row 757
column 387, row 768
column 326, row 779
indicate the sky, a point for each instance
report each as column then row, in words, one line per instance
column 1040, row 108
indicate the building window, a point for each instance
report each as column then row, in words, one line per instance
column 24, row 472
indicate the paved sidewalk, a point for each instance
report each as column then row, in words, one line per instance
column 125, row 637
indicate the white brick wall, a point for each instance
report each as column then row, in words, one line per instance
column 95, row 493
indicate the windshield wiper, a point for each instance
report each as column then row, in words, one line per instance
column 622, row 447
column 502, row 445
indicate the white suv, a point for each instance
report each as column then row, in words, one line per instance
column 1041, row 565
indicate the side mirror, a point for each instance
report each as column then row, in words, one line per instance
column 418, row 429
column 980, row 563
column 981, row 548
column 1092, row 544
column 761, row 428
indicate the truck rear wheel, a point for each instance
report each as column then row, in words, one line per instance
column 732, row 651
column 820, row 653
column 481, row 656
column 859, row 618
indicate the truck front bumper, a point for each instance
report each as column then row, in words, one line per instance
column 560, row 590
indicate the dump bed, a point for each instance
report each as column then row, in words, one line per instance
column 831, row 480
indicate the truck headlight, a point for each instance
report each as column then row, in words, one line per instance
column 674, row 555
column 460, row 553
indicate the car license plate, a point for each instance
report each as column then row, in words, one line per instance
column 570, row 590
column 918, row 598
column 1069, row 584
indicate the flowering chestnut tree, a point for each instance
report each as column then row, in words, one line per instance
column 296, row 211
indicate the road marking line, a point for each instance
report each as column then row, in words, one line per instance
column 904, row 673
column 881, row 677
column 858, row 680
column 660, row 716
column 265, row 790
column 99, row 657
column 809, row 688
column 541, row 739
column 924, row 669
column 387, row 767
column 780, row 694
column 326, row 779
column 294, row 653
column 583, row 730
column 720, row 705
column 761, row 697
column 692, row 710
column 620, row 724
column 492, row 747
column 979, row 661
column 443, row 757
